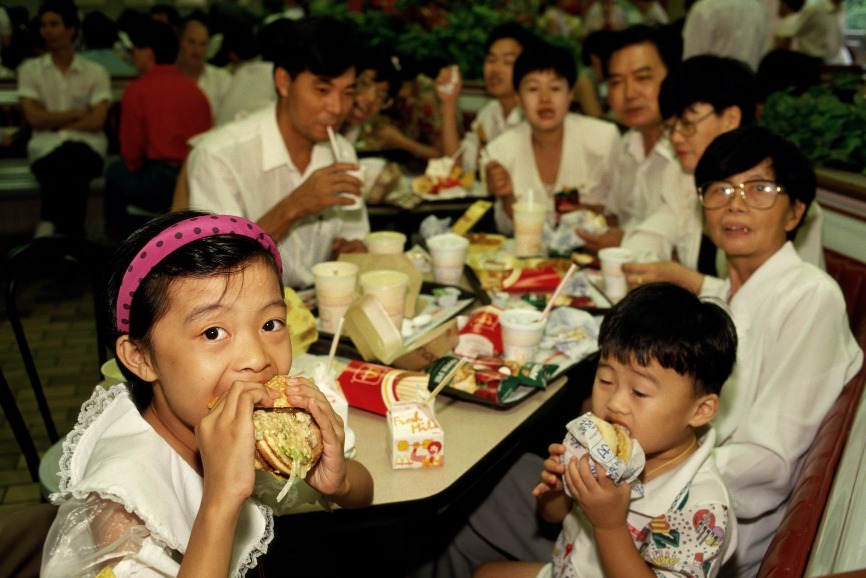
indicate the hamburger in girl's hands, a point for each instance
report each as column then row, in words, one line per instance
column 609, row 445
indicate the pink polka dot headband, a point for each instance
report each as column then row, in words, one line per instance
column 175, row 237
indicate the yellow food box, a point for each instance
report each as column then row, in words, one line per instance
column 415, row 437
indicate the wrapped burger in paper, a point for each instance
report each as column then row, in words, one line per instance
column 584, row 436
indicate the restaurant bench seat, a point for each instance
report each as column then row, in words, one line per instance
column 791, row 547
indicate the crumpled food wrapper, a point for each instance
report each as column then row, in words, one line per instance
column 572, row 332
column 583, row 436
column 565, row 239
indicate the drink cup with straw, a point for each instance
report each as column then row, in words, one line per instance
column 357, row 173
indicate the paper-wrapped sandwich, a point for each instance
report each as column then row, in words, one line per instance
column 609, row 445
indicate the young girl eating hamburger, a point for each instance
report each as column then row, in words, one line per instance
column 156, row 477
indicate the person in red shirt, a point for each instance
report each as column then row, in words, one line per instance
column 160, row 111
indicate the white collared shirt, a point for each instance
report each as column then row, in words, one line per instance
column 214, row 82
column 587, row 150
column 243, row 168
column 795, row 353
column 83, row 85
column 734, row 28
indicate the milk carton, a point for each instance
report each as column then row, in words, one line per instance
column 415, row 438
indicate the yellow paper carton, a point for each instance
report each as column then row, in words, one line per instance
column 415, row 438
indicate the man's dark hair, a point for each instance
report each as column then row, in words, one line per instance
column 670, row 325
column 643, row 34
column 520, row 34
column 544, row 57
column 170, row 12
column 67, row 10
column 98, row 30
column 321, row 45
column 782, row 69
column 271, row 37
column 739, row 150
column 598, row 43
column 157, row 36
column 715, row 80
column 198, row 17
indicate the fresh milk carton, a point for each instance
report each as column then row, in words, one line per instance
column 415, row 438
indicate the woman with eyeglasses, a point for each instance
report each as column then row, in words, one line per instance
column 795, row 351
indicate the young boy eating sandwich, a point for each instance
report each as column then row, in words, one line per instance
column 664, row 355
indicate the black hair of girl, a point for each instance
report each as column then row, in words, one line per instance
column 667, row 324
column 742, row 149
column 205, row 257
column 543, row 56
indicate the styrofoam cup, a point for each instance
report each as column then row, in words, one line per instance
column 528, row 221
column 448, row 251
column 385, row 242
column 612, row 258
column 336, row 282
column 522, row 330
column 389, row 288
column 357, row 200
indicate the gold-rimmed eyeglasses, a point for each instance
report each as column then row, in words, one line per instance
column 686, row 127
column 758, row 194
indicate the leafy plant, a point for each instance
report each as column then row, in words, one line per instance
column 453, row 32
column 828, row 130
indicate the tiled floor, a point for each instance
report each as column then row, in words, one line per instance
column 58, row 319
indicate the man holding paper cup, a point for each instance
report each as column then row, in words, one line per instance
column 277, row 166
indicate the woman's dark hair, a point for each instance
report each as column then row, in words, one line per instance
column 380, row 62
column 321, row 45
column 544, row 57
column 206, row 257
column 517, row 32
column 739, row 150
column 718, row 81
column 670, row 325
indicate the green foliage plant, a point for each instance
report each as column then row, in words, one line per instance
column 830, row 130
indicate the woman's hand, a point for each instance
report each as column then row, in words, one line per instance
column 637, row 274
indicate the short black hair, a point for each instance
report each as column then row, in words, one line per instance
column 322, row 45
column 598, row 43
column 741, row 149
column 782, row 69
column 158, row 36
column 98, row 30
column 520, row 34
column 643, row 34
column 67, row 10
column 196, row 16
column 381, row 62
column 271, row 37
column 670, row 325
column 543, row 56
column 170, row 12
column 719, row 81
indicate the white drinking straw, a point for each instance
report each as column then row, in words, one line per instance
column 559, row 288
column 445, row 380
column 334, row 343
column 334, row 145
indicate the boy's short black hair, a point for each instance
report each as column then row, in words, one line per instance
column 98, row 31
column 643, row 34
column 158, row 36
column 667, row 324
column 741, row 149
column 322, row 45
column 543, row 57
column 67, row 10
column 520, row 34
column 715, row 80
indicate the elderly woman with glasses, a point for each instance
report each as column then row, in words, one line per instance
column 795, row 351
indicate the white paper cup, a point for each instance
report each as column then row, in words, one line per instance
column 335, row 290
column 522, row 330
column 357, row 200
column 612, row 258
column 389, row 288
column 385, row 242
column 528, row 221
column 448, row 251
